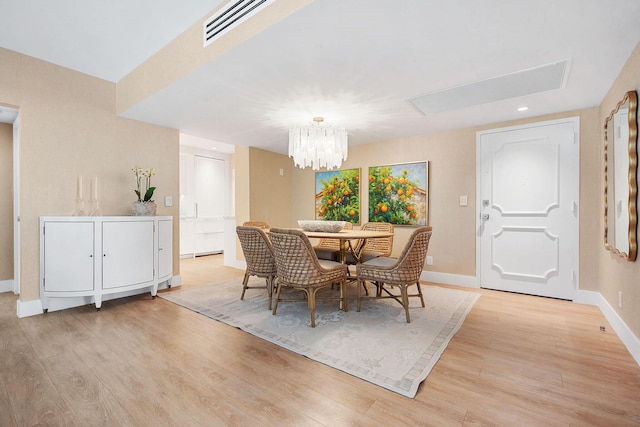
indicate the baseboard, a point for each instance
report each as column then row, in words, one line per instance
column 28, row 308
column 6, row 286
column 175, row 281
column 235, row 263
column 449, row 279
column 34, row 307
column 627, row 337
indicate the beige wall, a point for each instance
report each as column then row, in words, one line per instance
column 6, row 201
column 261, row 193
column 615, row 274
column 270, row 193
column 452, row 173
column 68, row 127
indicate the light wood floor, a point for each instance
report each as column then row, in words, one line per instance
column 517, row 361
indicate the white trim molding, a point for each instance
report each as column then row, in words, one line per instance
column 625, row 334
column 450, row 279
column 6, row 286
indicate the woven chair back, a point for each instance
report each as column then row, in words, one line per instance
column 257, row 249
column 296, row 262
column 259, row 224
column 382, row 245
column 411, row 262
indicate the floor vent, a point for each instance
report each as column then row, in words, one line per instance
column 521, row 83
column 229, row 17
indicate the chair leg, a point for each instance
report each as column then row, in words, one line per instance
column 275, row 304
column 244, row 284
column 343, row 295
column 420, row 293
column 270, row 281
column 359, row 286
column 405, row 301
column 311, row 302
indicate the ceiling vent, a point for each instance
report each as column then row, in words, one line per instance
column 230, row 16
column 521, row 83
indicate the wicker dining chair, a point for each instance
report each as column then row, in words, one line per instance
column 329, row 249
column 373, row 248
column 401, row 272
column 258, row 253
column 259, row 224
column 299, row 268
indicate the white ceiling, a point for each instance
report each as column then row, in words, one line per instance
column 354, row 62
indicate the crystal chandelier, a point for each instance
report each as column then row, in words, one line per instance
column 318, row 145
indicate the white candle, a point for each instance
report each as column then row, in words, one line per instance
column 79, row 187
column 95, row 188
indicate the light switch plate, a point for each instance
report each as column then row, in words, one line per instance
column 168, row 201
column 463, row 200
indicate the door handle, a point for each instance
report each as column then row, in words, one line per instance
column 485, row 216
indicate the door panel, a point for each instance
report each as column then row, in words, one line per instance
column 528, row 222
column 127, row 253
column 68, row 256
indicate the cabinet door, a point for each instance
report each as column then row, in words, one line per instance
column 127, row 253
column 209, row 185
column 165, row 249
column 187, row 234
column 68, row 256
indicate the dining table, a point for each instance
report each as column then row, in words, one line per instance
column 350, row 240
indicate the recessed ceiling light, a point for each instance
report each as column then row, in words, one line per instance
column 523, row 108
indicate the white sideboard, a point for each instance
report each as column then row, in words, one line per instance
column 96, row 256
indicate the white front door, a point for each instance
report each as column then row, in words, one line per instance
column 528, row 192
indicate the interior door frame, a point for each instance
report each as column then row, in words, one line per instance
column 16, row 205
column 575, row 178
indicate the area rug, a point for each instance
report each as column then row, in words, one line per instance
column 375, row 344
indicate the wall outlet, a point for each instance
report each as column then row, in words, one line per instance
column 619, row 299
column 463, row 201
column 429, row 260
column 168, row 201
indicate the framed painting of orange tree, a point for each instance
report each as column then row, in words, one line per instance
column 338, row 195
column 398, row 194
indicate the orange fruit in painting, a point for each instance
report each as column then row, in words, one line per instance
column 331, row 188
column 409, row 191
column 409, row 208
column 400, row 191
column 386, row 181
column 346, row 192
column 342, row 184
column 330, row 202
column 402, row 197
column 370, row 178
column 413, row 214
column 384, row 208
column 387, row 188
column 352, row 212
column 357, row 179
column 320, row 214
column 376, row 211
column 340, row 200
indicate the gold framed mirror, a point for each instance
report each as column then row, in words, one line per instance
column 620, row 178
